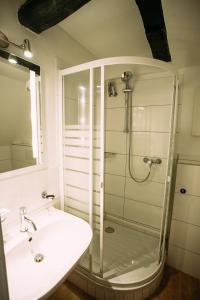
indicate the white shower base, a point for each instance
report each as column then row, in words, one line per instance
column 129, row 255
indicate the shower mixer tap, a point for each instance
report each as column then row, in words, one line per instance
column 151, row 161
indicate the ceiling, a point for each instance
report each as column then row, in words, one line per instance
column 114, row 28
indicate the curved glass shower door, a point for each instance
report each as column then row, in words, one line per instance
column 118, row 131
column 138, row 123
column 81, row 150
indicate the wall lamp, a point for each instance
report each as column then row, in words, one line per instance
column 25, row 47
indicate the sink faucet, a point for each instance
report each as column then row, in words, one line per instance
column 24, row 220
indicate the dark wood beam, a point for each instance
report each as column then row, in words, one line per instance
column 155, row 29
column 40, row 15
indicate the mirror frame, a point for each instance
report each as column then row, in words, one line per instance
column 41, row 166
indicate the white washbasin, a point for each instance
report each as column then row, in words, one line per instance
column 62, row 238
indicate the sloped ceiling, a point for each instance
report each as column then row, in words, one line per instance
column 114, row 28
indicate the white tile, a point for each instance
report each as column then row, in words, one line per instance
column 83, row 207
column 116, row 164
column 156, row 91
column 81, row 165
column 186, row 208
column 185, row 261
column 188, row 177
column 115, row 142
column 140, row 169
column 80, row 180
column 80, row 194
column 68, row 133
column 78, row 213
column 114, row 205
column 82, row 141
column 76, row 179
column 142, row 213
column 151, row 118
column 76, row 151
column 185, row 235
column 150, row 144
column 115, row 119
column 114, row 185
column 148, row 192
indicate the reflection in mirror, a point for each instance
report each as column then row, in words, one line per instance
column 19, row 124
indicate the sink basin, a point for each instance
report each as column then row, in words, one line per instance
column 61, row 240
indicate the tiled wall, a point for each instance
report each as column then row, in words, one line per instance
column 139, row 203
column 184, row 248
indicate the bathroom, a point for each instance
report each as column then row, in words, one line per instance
column 96, row 54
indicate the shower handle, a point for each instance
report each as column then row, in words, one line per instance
column 151, row 161
column 126, row 116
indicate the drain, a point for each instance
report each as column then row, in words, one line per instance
column 38, row 257
column 109, row 229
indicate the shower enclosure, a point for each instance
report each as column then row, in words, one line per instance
column 117, row 136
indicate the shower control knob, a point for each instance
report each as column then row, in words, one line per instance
column 183, row 191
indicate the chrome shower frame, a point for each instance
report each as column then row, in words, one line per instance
column 102, row 63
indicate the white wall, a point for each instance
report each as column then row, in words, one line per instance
column 184, row 243
column 184, row 247
column 189, row 82
column 47, row 47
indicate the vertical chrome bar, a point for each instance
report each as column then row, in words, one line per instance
column 61, row 128
column 102, row 171
column 126, row 112
column 174, row 111
column 91, row 139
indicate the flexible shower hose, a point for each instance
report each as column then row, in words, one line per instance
column 138, row 180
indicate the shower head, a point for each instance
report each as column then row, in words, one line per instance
column 126, row 76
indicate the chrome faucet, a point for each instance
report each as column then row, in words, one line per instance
column 24, row 220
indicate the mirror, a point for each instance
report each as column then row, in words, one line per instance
column 20, row 121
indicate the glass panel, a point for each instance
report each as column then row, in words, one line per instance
column 76, row 146
column 137, row 128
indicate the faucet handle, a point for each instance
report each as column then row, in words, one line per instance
column 23, row 210
column 3, row 213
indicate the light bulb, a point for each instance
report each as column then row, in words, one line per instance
column 12, row 59
column 28, row 53
column 27, row 49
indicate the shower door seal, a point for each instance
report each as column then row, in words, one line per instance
column 174, row 112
